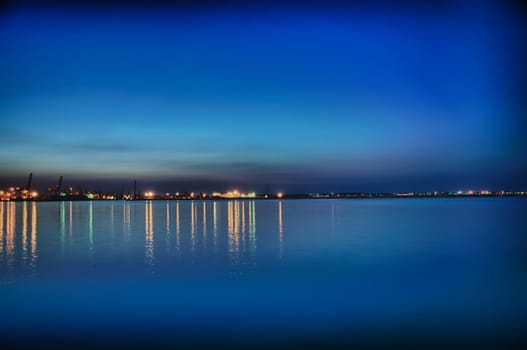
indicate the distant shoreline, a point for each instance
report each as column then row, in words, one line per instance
column 262, row 198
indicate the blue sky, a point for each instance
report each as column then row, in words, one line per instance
column 301, row 98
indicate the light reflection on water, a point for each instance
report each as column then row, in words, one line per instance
column 301, row 261
column 10, row 232
column 34, row 255
column 90, row 225
column 206, row 229
column 178, row 243
column 280, row 229
column 81, row 227
column 24, row 229
column 25, row 240
column 62, row 223
column 149, row 233
column 1, row 228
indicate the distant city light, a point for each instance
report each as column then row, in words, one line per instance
column 234, row 194
column 25, row 193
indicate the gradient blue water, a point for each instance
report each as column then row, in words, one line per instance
column 263, row 270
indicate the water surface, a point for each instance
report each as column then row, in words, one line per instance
column 379, row 271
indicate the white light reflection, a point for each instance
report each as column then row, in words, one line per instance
column 252, row 227
column 204, row 226
column 233, row 229
column 168, row 217
column 204, row 218
column 149, row 233
column 237, row 220
column 2, row 237
column 243, row 220
column 90, row 225
column 10, row 228
column 193, row 212
column 71, row 219
column 280, row 229
column 167, row 214
column 215, row 224
column 177, row 226
column 24, row 229
column 62, row 218
column 126, row 219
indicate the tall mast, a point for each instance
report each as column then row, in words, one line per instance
column 28, row 186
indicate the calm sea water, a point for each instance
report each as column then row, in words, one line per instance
column 380, row 271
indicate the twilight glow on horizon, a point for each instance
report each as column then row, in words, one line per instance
column 303, row 98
